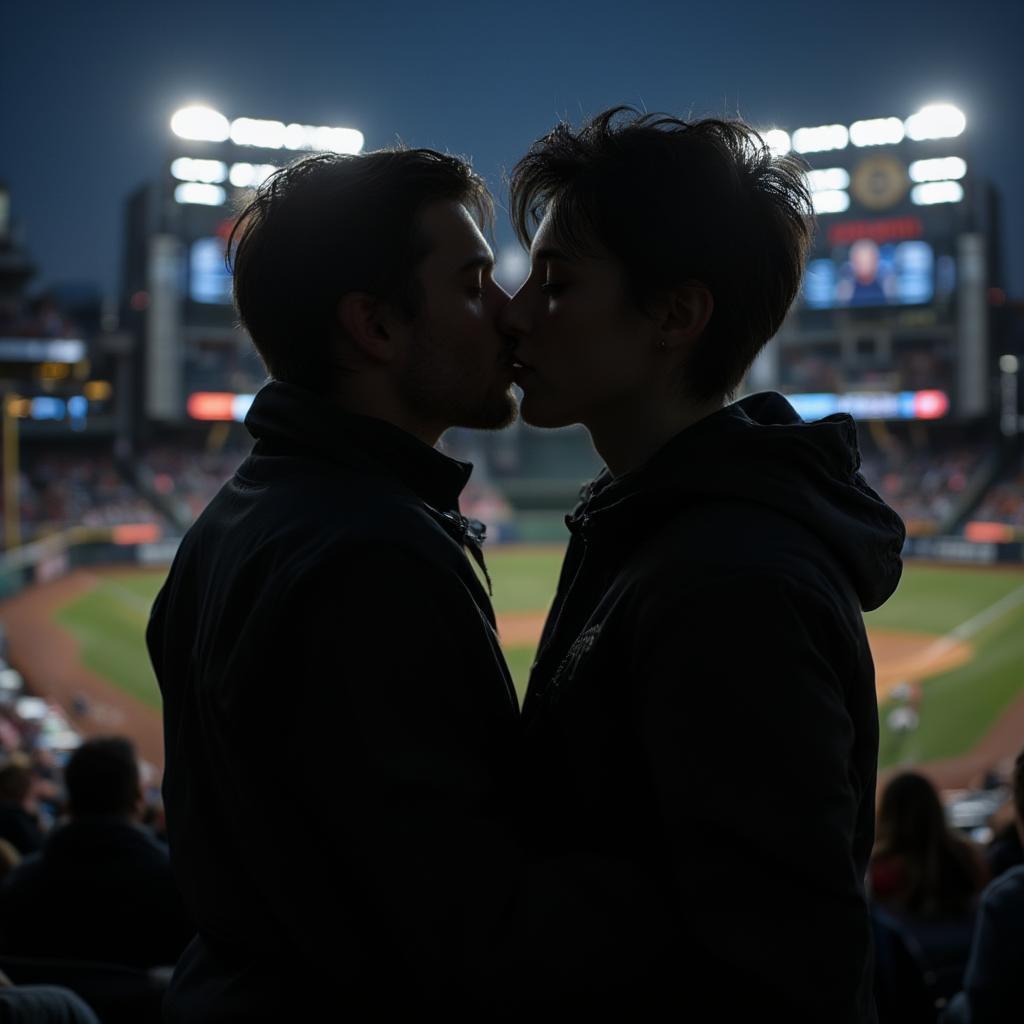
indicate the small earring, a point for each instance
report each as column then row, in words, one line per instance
column 663, row 344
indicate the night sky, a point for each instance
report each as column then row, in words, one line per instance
column 87, row 89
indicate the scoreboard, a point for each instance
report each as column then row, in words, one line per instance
column 894, row 295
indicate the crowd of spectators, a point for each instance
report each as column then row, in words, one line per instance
column 60, row 490
column 1004, row 503
column 187, row 477
column 87, row 898
column 926, row 488
column 948, row 913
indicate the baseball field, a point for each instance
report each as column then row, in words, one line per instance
column 949, row 650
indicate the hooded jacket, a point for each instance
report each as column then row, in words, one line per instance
column 337, row 721
column 703, row 703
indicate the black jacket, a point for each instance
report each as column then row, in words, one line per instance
column 100, row 889
column 340, row 729
column 703, row 702
column 993, row 987
column 337, row 718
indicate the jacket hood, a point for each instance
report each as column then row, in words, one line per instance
column 760, row 450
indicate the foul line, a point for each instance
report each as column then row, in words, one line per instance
column 972, row 626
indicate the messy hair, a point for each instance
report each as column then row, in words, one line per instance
column 676, row 200
column 331, row 224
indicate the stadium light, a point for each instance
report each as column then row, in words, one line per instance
column 936, row 121
column 335, row 140
column 943, row 168
column 201, row 123
column 249, row 131
column 828, row 179
column 932, row 192
column 185, row 168
column 831, row 201
column 879, row 131
column 821, row 138
column 250, row 175
column 202, row 194
column 777, row 141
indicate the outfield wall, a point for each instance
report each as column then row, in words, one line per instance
column 959, row 551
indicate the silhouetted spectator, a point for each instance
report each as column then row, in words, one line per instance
column 928, row 878
column 994, row 982
column 17, row 824
column 101, row 888
column 920, row 866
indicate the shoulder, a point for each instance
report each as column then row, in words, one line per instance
column 1007, row 891
column 762, row 566
column 727, row 535
column 298, row 528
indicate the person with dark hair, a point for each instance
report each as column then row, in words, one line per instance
column 706, row 646
column 920, row 866
column 101, row 889
column 18, row 825
column 924, row 880
column 994, row 983
column 329, row 598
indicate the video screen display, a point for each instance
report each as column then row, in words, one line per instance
column 868, row 273
column 209, row 280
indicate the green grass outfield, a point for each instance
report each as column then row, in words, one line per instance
column 956, row 707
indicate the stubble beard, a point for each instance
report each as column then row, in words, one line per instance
column 441, row 393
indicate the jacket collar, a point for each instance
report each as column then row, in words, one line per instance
column 285, row 414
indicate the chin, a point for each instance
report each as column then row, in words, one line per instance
column 497, row 414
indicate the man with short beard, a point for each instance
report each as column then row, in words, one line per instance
column 338, row 713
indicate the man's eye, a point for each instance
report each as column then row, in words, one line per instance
column 475, row 291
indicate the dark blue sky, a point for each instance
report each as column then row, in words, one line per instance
column 86, row 89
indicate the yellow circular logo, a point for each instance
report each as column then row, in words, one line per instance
column 879, row 182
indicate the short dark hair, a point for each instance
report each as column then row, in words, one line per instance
column 102, row 777
column 675, row 200
column 331, row 224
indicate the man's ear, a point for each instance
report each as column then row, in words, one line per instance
column 365, row 321
column 685, row 313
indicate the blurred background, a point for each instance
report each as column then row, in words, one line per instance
column 127, row 135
